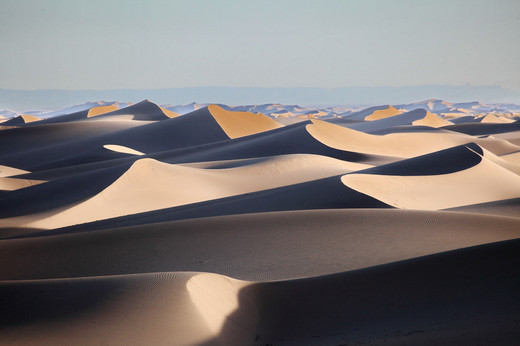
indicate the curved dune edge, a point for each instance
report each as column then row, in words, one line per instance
column 404, row 145
column 6, row 171
column 122, row 149
column 169, row 113
column 180, row 308
column 383, row 113
column 485, row 182
column 432, row 120
column 241, row 124
column 29, row 118
column 217, row 298
column 151, row 184
column 94, row 111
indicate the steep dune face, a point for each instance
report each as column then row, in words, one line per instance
column 240, row 124
column 95, row 111
column 484, row 182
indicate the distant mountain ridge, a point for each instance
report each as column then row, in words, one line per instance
column 26, row 100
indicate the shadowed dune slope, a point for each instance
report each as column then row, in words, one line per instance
column 36, row 138
column 425, row 299
column 327, row 193
column 416, row 179
column 134, row 309
column 402, row 145
column 58, row 193
column 20, row 120
column 270, row 246
column 478, row 129
column 485, row 181
column 159, row 185
column 192, row 129
column 396, row 120
column 293, row 139
column 447, row 298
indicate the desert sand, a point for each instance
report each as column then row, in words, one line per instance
column 394, row 224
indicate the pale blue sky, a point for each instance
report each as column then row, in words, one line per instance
column 108, row 44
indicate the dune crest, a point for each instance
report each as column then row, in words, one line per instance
column 94, row 111
column 496, row 119
column 383, row 113
column 29, row 118
column 485, row 182
column 217, row 300
column 432, row 120
column 169, row 113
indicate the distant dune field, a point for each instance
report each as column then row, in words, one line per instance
column 271, row 224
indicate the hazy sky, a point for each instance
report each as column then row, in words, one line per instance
column 108, row 44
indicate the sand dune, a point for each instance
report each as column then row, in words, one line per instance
column 146, row 180
column 399, row 144
column 491, row 118
column 383, row 113
column 271, row 246
column 432, row 120
column 20, row 120
column 393, row 224
column 169, row 113
column 219, row 310
column 240, row 124
column 440, row 191
column 144, row 110
column 95, row 111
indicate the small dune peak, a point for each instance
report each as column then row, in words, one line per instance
column 383, row 113
column 29, row 118
column 432, row 120
column 240, row 124
column 496, row 119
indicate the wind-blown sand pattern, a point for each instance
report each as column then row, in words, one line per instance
column 217, row 225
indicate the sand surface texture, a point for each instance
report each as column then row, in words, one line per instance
column 146, row 225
